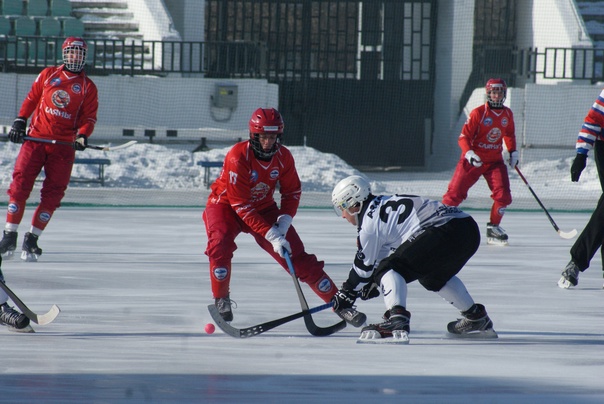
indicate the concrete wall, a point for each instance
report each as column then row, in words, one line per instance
column 454, row 39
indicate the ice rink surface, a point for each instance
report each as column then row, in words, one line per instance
column 133, row 287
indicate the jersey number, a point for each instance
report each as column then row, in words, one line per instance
column 392, row 206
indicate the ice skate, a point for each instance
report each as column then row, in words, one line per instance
column 14, row 320
column 8, row 244
column 474, row 324
column 223, row 304
column 570, row 276
column 352, row 316
column 395, row 330
column 31, row 252
column 496, row 235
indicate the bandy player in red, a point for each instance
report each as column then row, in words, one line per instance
column 63, row 104
column 481, row 143
column 242, row 200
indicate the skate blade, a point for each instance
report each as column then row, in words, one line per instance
column 24, row 330
column 563, row 283
column 486, row 334
column 373, row 337
column 29, row 257
column 8, row 255
column 496, row 241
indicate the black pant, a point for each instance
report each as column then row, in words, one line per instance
column 592, row 236
column 435, row 256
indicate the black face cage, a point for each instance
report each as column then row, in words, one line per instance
column 259, row 151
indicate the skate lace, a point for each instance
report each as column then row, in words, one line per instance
column 466, row 324
column 9, row 241
column 31, row 244
column 496, row 230
column 9, row 315
column 571, row 270
column 225, row 303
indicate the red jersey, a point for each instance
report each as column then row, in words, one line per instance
column 485, row 130
column 63, row 104
column 248, row 185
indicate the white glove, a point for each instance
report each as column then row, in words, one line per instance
column 473, row 158
column 278, row 241
column 513, row 161
column 283, row 222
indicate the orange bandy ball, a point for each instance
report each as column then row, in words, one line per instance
column 210, row 328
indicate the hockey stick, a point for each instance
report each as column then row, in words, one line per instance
column 563, row 234
column 41, row 319
column 90, row 146
column 312, row 328
column 260, row 328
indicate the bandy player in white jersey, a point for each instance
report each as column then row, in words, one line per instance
column 401, row 239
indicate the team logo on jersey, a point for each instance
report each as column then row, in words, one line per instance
column 324, row 285
column 254, row 176
column 504, row 122
column 13, row 208
column 488, row 122
column 494, row 135
column 44, row 216
column 76, row 88
column 60, row 98
column 220, row 273
column 274, row 174
column 260, row 191
column 55, row 82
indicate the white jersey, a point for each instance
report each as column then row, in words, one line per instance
column 390, row 220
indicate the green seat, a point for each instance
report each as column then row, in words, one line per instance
column 60, row 8
column 25, row 26
column 12, row 7
column 37, row 7
column 16, row 50
column 44, row 51
column 50, row 26
column 73, row 27
column 5, row 27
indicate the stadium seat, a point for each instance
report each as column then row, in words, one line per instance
column 16, row 50
column 5, row 27
column 25, row 26
column 44, row 51
column 12, row 7
column 37, row 8
column 60, row 8
column 73, row 27
column 50, row 26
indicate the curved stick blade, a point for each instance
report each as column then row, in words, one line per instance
column 568, row 235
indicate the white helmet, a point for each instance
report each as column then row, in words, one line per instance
column 349, row 192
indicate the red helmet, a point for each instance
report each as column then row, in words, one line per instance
column 496, row 84
column 74, row 62
column 265, row 120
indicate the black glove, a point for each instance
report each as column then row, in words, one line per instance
column 577, row 167
column 18, row 130
column 344, row 298
column 369, row 291
column 80, row 143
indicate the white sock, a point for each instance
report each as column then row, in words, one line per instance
column 455, row 292
column 36, row 231
column 394, row 289
column 11, row 227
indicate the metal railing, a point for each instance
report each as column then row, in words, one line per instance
column 25, row 54
column 561, row 64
